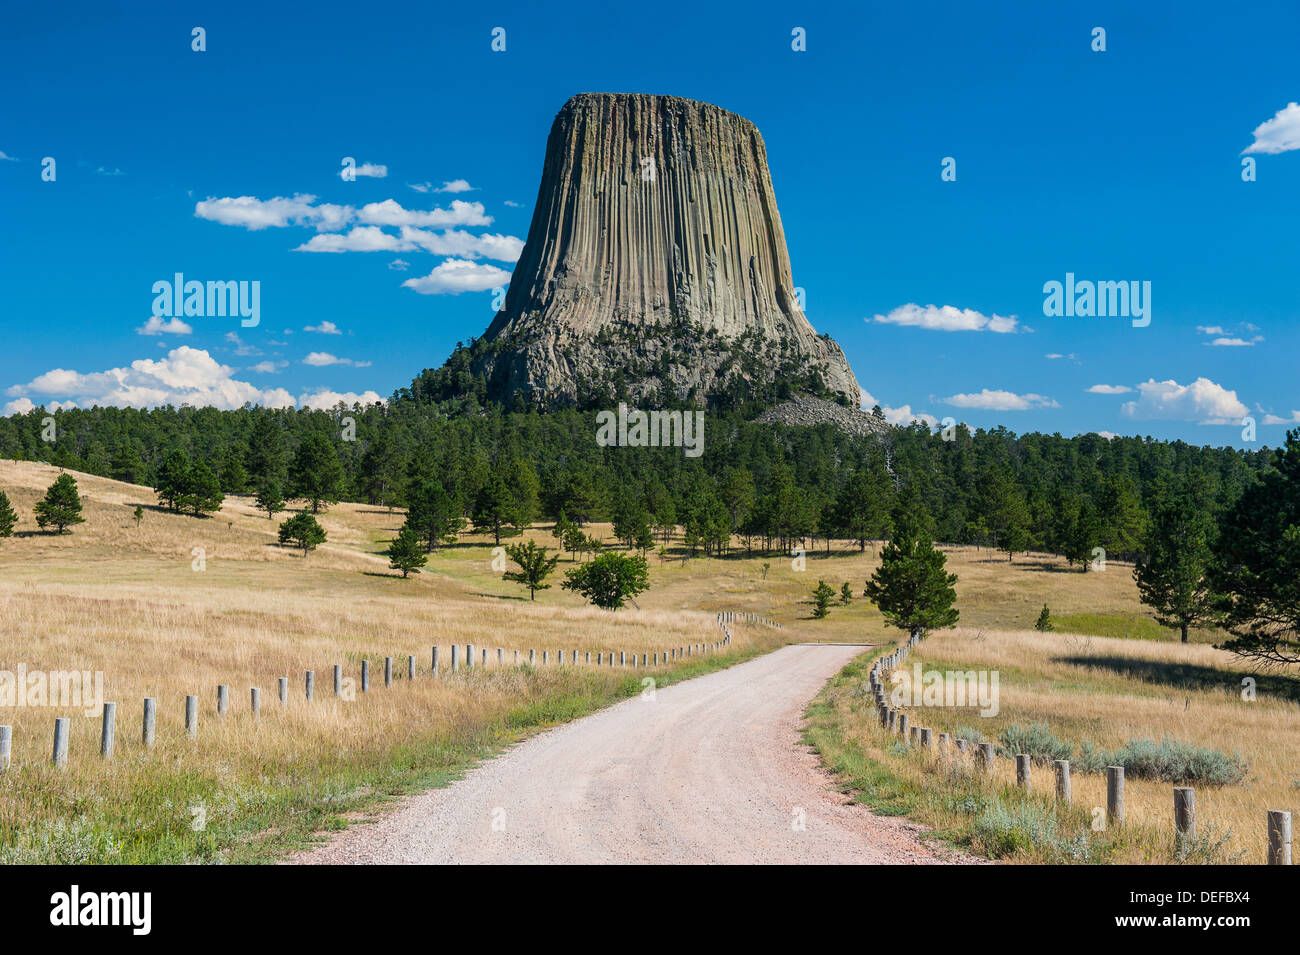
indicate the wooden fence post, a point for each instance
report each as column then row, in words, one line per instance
column 516, row 658
column 338, row 679
column 365, row 676
column 455, row 663
column 902, row 725
column 927, row 739
column 532, row 658
column 1023, row 772
column 410, row 666
column 388, row 672
column 150, row 718
column 1184, row 812
column 107, row 729
column 434, row 664
column 223, row 699
column 469, row 655
column 282, row 689
column 309, row 686
column 986, row 755
column 1279, row 827
column 191, row 716
column 1115, row 795
column 6, row 746
column 61, row 741
column 1063, row 781
column 546, row 657
column 501, row 656
column 255, row 702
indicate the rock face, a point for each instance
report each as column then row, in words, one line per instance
column 655, row 266
column 808, row 411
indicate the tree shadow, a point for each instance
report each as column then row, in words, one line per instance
column 498, row 596
column 1190, row 676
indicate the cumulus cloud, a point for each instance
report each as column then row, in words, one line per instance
column 267, row 367
column 1276, row 419
column 367, row 169
column 458, row 275
column 947, row 318
column 156, row 326
column 1108, row 435
column 1203, row 401
column 256, row 214
column 1235, row 342
column 451, row 185
column 1110, row 389
column 901, row 416
column 512, row 204
column 324, row 399
column 399, row 265
column 1279, row 134
column 994, row 400
column 322, row 359
column 186, row 376
column 391, row 213
column 365, row 238
column 324, row 328
column 503, row 248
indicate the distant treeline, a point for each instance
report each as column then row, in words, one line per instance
column 772, row 486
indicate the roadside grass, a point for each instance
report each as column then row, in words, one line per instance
column 1077, row 700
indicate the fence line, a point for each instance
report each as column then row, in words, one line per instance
column 896, row 723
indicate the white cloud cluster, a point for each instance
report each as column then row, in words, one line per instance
column 1279, row 134
column 947, row 318
column 996, row 400
column 503, row 248
column 323, row 359
column 1277, row 419
column 1109, row 389
column 186, row 376
column 256, row 214
column 324, row 328
column 1203, row 401
column 368, row 170
column 458, row 275
column 156, row 326
column 902, row 416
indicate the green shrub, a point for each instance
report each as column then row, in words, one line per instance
column 1037, row 741
column 1169, row 761
column 972, row 736
column 1002, row 830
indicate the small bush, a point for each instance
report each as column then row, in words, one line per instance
column 1037, row 741
column 972, row 736
column 1169, row 761
column 1028, row 828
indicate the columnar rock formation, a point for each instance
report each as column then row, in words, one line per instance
column 655, row 265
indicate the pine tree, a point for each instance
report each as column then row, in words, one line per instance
column 316, row 476
column 1257, row 568
column 494, row 508
column 8, row 517
column 534, row 566
column 269, row 499
column 846, row 593
column 302, row 530
column 172, row 484
column 911, row 587
column 265, row 459
column 138, row 514
column 61, row 506
column 821, row 600
column 435, row 515
column 406, row 553
column 1171, row 575
column 1044, row 621
column 202, row 491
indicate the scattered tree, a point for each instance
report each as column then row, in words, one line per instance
column 821, row 600
column 61, row 506
column 846, row 593
column 406, row 553
column 8, row 517
column 302, row 530
column 270, row 499
column 138, row 514
column 1171, row 575
column 609, row 580
column 316, row 476
column 1044, row 621
column 534, row 566
column 911, row 586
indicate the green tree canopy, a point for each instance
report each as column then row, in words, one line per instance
column 534, row 566
column 61, row 506
column 911, row 587
column 609, row 580
column 302, row 530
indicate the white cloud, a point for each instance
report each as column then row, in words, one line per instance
column 367, row 169
column 399, row 265
column 1108, row 435
column 322, row 359
column 242, row 349
column 512, row 204
column 455, row 185
column 1274, row 419
column 324, row 328
column 1235, row 342
column 503, row 248
column 267, row 367
column 993, row 400
column 457, row 275
column 156, row 326
column 365, row 238
column 1279, row 134
column 324, row 399
column 256, row 214
column 947, row 318
column 186, row 376
column 391, row 213
column 1211, row 329
column 902, row 416
column 1110, row 389
column 18, row 405
column 1202, row 400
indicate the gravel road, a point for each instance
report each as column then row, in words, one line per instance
column 711, row 770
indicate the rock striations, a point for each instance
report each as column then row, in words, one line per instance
column 655, row 268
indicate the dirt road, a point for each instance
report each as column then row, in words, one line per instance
column 711, row 770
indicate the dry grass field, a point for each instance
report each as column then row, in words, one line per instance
column 137, row 604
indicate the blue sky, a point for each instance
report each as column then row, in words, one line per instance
column 1122, row 165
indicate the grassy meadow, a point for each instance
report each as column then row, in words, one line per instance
column 178, row 605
